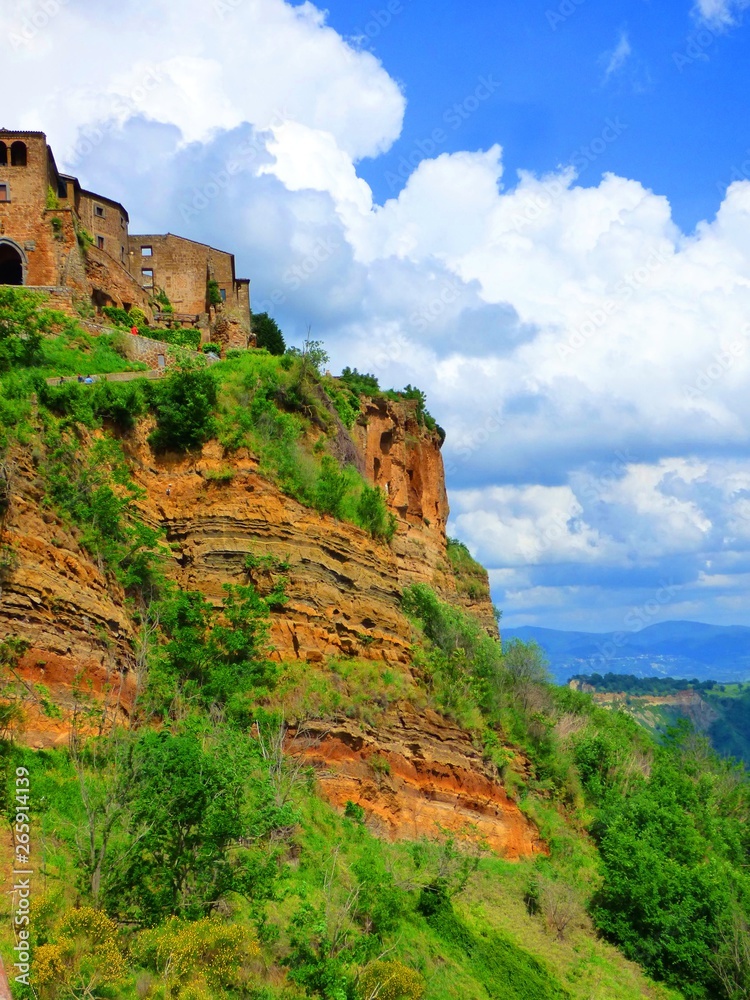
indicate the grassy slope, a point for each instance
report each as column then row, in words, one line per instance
column 492, row 945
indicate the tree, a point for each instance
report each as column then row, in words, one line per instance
column 184, row 404
column 269, row 334
column 23, row 323
column 186, row 812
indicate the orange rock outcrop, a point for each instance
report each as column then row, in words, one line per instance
column 417, row 776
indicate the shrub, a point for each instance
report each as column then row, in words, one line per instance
column 390, row 981
column 373, row 514
column 213, row 293
column 181, row 336
column 269, row 334
column 211, row 348
column 84, row 960
column 360, row 382
column 190, row 956
column 184, row 404
column 23, row 323
column 119, row 403
column 222, row 476
column 117, row 316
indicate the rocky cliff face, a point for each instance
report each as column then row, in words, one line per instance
column 344, row 600
column 417, row 776
column 403, row 457
column 54, row 597
column 344, row 588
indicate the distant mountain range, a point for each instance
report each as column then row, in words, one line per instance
column 668, row 649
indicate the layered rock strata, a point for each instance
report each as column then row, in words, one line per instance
column 417, row 776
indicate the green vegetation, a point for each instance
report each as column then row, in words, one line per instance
column 674, row 891
column 213, row 293
column 362, row 384
column 180, row 336
column 639, row 686
column 184, row 403
column 723, row 713
column 269, row 334
column 471, row 577
column 273, row 405
column 187, row 856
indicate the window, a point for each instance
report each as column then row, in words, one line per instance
column 223, row 293
column 99, row 211
column 100, row 242
column 147, row 278
column 122, row 222
column 4, row 192
column 3, row 155
column 147, row 252
column 18, row 154
column 122, row 254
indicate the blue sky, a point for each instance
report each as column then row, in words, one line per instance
column 680, row 90
column 538, row 212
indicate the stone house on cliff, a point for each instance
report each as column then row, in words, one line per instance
column 76, row 245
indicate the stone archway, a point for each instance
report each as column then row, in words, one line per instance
column 12, row 264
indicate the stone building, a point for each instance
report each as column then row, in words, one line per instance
column 76, row 244
column 184, row 269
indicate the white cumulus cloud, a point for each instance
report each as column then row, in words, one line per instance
column 589, row 360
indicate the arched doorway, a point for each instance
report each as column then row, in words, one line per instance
column 11, row 264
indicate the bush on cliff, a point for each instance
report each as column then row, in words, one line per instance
column 184, row 404
column 269, row 334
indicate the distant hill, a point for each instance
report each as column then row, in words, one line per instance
column 668, row 649
column 721, row 711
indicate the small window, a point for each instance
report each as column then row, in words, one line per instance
column 223, row 293
column 100, row 242
column 3, row 155
column 148, row 278
column 99, row 211
column 147, row 252
column 122, row 254
column 122, row 222
column 18, row 154
column 4, row 192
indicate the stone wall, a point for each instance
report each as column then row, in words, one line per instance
column 154, row 353
column 183, row 269
column 22, row 217
column 109, row 229
column 112, row 284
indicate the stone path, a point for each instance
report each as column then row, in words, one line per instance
column 154, row 373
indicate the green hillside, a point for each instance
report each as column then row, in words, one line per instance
column 190, row 856
column 722, row 712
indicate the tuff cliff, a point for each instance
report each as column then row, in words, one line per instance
column 344, row 588
column 343, row 591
